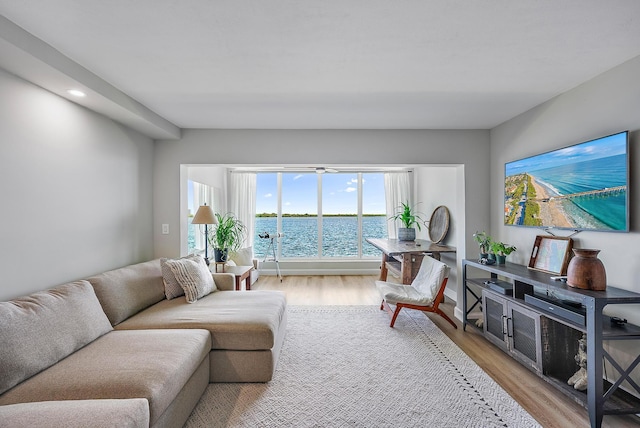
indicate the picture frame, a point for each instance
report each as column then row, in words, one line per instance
column 551, row 254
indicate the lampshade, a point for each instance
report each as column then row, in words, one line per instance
column 204, row 215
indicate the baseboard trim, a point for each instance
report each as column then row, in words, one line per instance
column 457, row 312
column 306, row 272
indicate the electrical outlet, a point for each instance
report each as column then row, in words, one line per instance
column 165, row 229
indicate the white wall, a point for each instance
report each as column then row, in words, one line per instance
column 607, row 104
column 76, row 191
column 467, row 150
column 440, row 185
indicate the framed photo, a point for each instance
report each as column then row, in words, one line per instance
column 551, row 254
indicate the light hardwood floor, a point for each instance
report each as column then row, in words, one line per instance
column 548, row 406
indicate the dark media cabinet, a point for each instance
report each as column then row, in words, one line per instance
column 539, row 321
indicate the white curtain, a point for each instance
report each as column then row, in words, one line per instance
column 397, row 189
column 242, row 201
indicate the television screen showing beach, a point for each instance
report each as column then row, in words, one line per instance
column 578, row 187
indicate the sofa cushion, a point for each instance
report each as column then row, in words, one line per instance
column 126, row 291
column 193, row 276
column 40, row 329
column 236, row 320
column 131, row 413
column 154, row 365
column 172, row 288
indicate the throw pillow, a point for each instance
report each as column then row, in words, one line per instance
column 171, row 287
column 193, row 276
column 243, row 257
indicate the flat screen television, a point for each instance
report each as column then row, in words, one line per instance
column 580, row 187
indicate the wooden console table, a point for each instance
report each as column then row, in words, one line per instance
column 403, row 258
column 538, row 321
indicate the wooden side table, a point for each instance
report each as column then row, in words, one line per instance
column 242, row 273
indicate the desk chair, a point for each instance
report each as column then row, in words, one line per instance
column 425, row 293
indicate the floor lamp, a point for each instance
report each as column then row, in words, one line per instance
column 205, row 216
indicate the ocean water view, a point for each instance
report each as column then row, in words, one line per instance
column 608, row 212
column 300, row 240
column 340, row 236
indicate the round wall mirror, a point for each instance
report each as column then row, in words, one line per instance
column 439, row 224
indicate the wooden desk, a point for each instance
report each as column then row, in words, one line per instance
column 242, row 273
column 404, row 257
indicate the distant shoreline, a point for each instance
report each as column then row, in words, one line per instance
column 263, row 215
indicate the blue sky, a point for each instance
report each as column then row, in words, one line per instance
column 601, row 148
column 339, row 193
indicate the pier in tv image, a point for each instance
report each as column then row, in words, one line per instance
column 583, row 187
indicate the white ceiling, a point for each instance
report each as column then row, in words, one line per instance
column 337, row 64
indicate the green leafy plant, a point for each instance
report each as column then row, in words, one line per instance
column 229, row 233
column 407, row 216
column 483, row 240
column 502, row 249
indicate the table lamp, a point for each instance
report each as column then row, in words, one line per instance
column 205, row 216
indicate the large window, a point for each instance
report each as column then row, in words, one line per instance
column 320, row 215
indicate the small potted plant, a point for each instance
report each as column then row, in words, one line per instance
column 228, row 236
column 409, row 218
column 501, row 251
column 483, row 241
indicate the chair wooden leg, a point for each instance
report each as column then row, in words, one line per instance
column 395, row 315
column 443, row 315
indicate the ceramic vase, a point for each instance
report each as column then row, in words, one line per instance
column 406, row 234
column 586, row 270
column 220, row 254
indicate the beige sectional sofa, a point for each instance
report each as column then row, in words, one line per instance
column 113, row 351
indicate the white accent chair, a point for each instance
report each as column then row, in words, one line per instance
column 425, row 293
column 244, row 257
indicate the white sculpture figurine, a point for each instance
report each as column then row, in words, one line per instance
column 579, row 379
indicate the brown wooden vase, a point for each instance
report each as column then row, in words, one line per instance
column 586, row 270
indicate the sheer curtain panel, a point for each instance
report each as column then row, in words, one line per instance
column 397, row 189
column 242, row 201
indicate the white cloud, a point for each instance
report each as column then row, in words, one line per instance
column 350, row 189
column 268, row 195
column 298, row 176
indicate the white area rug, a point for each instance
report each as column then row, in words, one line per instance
column 343, row 366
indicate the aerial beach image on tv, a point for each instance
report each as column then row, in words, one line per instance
column 578, row 187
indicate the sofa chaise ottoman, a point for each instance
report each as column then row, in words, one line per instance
column 247, row 328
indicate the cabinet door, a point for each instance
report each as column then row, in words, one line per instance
column 523, row 331
column 494, row 308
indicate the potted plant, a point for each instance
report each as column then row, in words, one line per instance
column 501, row 251
column 483, row 241
column 409, row 218
column 228, row 236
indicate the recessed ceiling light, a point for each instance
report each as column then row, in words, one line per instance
column 76, row 93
